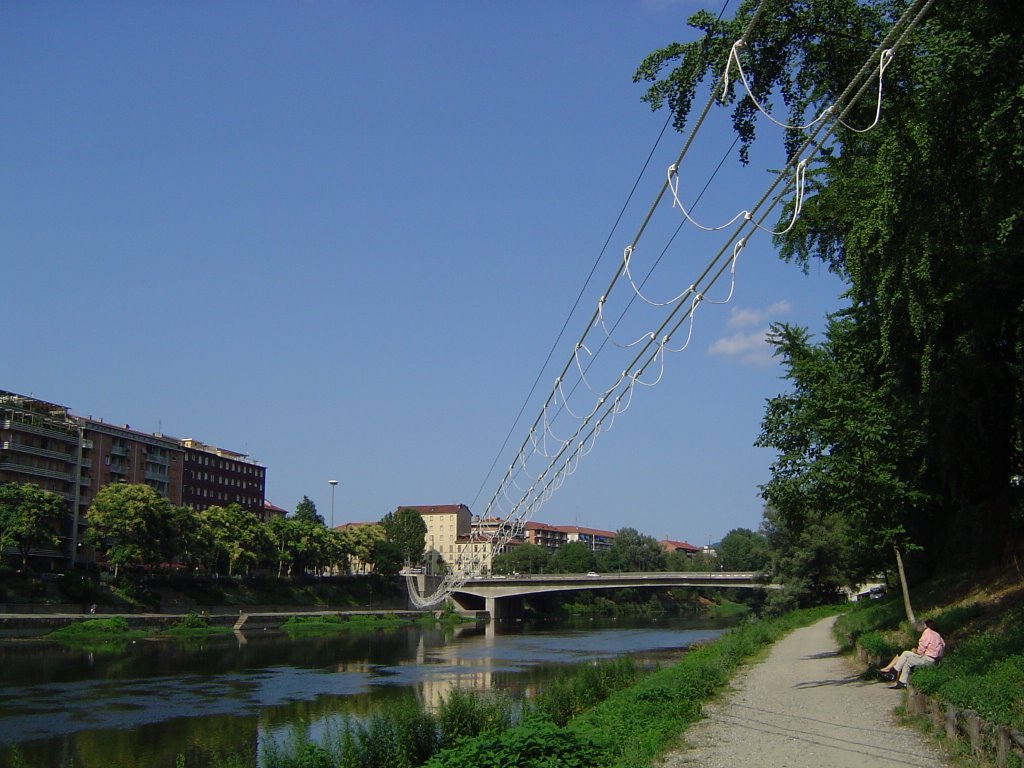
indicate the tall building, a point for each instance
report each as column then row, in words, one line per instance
column 118, row 454
column 595, row 539
column 44, row 444
column 113, row 453
column 40, row 444
column 547, row 536
column 446, row 524
column 218, row 477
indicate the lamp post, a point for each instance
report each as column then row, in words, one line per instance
column 333, row 483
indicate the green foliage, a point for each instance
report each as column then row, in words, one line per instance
column 524, row 558
column 305, row 511
column 533, row 744
column 406, row 529
column 116, row 627
column 77, row 587
column 29, row 517
column 744, row 550
column 238, row 539
column 633, row 551
column 386, row 558
column 465, row 714
column 574, row 557
column 635, row 725
column 131, row 524
column 582, row 687
column 983, row 673
column 329, row 624
column 907, row 423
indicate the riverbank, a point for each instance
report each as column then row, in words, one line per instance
column 15, row 626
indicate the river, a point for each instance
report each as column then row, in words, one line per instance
column 143, row 704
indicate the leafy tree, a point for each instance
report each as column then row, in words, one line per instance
column 923, row 215
column 131, row 525
column 699, row 562
column 811, row 562
column 574, row 557
column 522, row 558
column 305, row 510
column 187, row 536
column 744, row 550
column 283, row 534
column 238, row 536
column 360, row 541
column 848, row 451
column 386, row 558
column 405, row 528
column 634, row 551
column 29, row 517
column 313, row 547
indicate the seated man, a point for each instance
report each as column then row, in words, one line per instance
column 929, row 649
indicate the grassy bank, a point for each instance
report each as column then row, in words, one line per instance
column 982, row 621
column 634, row 725
column 90, row 630
column 327, row 625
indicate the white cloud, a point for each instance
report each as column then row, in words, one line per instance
column 744, row 318
column 747, row 348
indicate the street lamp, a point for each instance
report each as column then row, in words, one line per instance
column 333, row 483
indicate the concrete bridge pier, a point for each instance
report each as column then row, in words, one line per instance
column 504, row 608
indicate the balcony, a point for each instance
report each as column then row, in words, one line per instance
column 35, row 429
column 31, row 449
column 22, row 469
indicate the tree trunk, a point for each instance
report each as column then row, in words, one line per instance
column 903, row 584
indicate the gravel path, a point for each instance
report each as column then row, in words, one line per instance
column 804, row 707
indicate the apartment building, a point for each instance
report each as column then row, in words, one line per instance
column 114, row 453
column 548, row 536
column 446, row 524
column 44, row 444
column 595, row 540
column 488, row 537
column 214, row 476
column 40, row 443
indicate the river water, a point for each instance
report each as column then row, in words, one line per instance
column 145, row 703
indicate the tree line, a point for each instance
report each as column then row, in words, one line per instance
column 133, row 527
column 902, row 435
column 631, row 551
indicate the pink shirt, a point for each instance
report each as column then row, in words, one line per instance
column 931, row 644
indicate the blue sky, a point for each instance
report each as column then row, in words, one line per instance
column 343, row 237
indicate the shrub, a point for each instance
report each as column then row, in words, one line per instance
column 464, row 714
column 532, row 744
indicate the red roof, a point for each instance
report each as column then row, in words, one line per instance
column 678, row 546
column 542, row 527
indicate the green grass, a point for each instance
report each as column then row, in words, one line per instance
column 636, row 725
column 330, row 624
column 983, row 625
column 115, row 628
column 630, row 727
column 194, row 626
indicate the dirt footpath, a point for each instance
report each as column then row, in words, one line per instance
column 804, row 707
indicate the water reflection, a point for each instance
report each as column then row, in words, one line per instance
column 144, row 704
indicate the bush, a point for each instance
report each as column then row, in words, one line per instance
column 464, row 714
column 532, row 744
column 114, row 627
